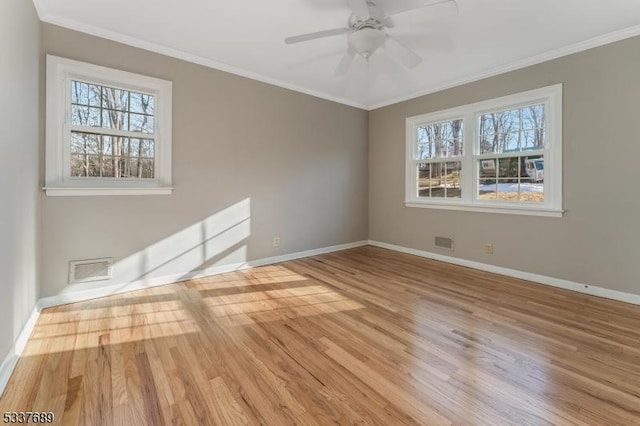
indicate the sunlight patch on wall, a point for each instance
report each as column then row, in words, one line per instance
column 218, row 239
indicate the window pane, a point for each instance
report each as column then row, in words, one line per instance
column 509, row 167
column 489, row 143
column 509, row 121
column 457, row 137
column 79, row 115
column 84, row 165
column 488, row 124
column 488, row 168
column 146, row 168
column 141, row 123
column 451, row 148
column 487, row 189
column 518, row 179
column 424, row 180
column 438, row 180
column 115, row 99
column 79, row 93
column 84, row 143
column 111, row 156
column 147, row 148
column 533, row 139
column 112, row 119
column 142, row 104
column 424, row 151
column 513, row 130
column 454, row 173
column 534, row 168
column 440, row 140
column 126, row 147
column 531, row 191
column 109, row 108
column 95, row 118
column 95, row 94
column 509, row 142
column 427, row 141
column 533, row 117
column 127, row 167
column 134, row 146
column 107, row 145
column 107, row 166
column 446, row 130
column 77, row 165
column 507, row 189
column 113, row 144
column 142, row 148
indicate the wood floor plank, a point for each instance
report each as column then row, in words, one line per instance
column 366, row 336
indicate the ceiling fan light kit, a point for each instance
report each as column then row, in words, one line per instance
column 366, row 41
column 366, row 31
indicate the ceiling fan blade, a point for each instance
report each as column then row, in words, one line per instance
column 437, row 8
column 318, row 34
column 345, row 62
column 433, row 42
column 402, row 53
column 360, row 8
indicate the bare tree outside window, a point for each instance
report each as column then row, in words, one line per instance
column 114, row 132
column 440, row 147
column 516, row 136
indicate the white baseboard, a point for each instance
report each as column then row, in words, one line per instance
column 541, row 279
column 12, row 357
column 6, row 369
column 82, row 295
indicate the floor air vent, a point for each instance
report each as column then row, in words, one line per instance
column 444, row 243
column 82, row 271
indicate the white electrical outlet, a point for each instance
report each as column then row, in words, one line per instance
column 276, row 241
column 488, row 248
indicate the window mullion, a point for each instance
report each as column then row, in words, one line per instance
column 109, row 132
column 511, row 154
column 468, row 167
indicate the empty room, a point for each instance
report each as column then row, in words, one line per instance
column 385, row 212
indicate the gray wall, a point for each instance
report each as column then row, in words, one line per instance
column 597, row 242
column 19, row 140
column 250, row 161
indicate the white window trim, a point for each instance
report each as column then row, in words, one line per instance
column 60, row 71
column 551, row 96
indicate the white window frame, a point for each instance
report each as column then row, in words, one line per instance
column 58, row 180
column 550, row 96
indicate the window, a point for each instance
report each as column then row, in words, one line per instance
column 439, row 162
column 503, row 155
column 108, row 131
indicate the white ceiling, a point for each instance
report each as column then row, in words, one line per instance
column 245, row 37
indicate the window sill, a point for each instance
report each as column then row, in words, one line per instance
column 75, row 191
column 529, row 211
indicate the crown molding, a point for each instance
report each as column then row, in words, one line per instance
column 523, row 63
column 601, row 40
column 185, row 56
column 41, row 8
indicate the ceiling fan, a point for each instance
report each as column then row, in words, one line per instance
column 367, row 25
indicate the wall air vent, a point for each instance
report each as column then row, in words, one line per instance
column 82, row 271
column 444, row 243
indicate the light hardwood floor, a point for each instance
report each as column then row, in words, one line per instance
column 360, row 336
